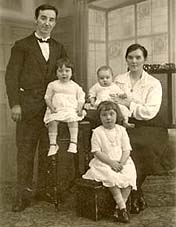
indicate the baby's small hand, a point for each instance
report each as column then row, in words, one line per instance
column 112, row 95
column 123, row 96
column 92, row 103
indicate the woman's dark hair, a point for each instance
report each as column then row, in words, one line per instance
column 45, row 7
column 134, row 47
column 104, row 68
column 109, row 105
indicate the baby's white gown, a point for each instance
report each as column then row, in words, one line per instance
column 111, row 142
column 65, row 97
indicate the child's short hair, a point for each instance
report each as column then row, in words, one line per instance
column 109, row 105
column 104, row 68
column 64, row 61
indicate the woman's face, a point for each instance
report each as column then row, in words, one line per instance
column 135, row 60
column 108, row 118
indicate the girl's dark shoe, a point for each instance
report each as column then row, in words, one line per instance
column 135, row 207
column 123, row 216
column 116, row 214
column 142, row 203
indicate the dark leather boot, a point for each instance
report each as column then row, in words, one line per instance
column 135, row 207
column 142, row 203
column 116, row 214
column 123, row 216
column 43, row 196
column 22, row 201
column 20, row 204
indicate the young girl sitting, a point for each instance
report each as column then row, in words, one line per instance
column 112, row 164
column 65, row 100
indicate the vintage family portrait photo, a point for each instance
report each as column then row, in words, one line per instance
column 87, row 113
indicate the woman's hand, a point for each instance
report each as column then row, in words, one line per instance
column 125, row 101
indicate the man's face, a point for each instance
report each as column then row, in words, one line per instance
column 45, row 22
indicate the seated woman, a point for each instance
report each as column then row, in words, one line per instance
column 144, row 96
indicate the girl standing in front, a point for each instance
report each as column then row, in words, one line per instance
column 65, row 100
column 112, row 164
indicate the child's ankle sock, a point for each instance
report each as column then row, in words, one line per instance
column 52, row 137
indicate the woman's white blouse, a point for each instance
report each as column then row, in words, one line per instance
column 145, row 96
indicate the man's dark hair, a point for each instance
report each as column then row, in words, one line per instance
column 134, row 47
column 45, row 7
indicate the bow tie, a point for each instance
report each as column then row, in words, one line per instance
column 43, row 41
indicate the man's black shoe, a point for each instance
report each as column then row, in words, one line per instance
column 20, row 204
column 43, row 196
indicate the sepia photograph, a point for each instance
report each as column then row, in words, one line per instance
column 87, row 113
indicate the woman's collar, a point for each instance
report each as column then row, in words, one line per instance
column 124, row 78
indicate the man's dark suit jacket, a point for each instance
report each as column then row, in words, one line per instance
column 28, row 74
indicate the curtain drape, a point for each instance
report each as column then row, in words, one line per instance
column 80, row 41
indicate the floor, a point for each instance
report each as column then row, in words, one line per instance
column 160, row 194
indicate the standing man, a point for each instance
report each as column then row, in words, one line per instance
column 31, row 67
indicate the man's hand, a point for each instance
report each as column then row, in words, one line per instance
column 16, row 113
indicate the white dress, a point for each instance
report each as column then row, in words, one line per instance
column 104, row 94
column 102, row 140
column 65, row 97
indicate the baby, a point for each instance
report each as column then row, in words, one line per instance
column 106, row 90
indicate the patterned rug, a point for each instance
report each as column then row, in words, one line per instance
column 160, row 194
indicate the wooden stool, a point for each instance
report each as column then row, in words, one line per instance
column 93, row 200
column 57, row 181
